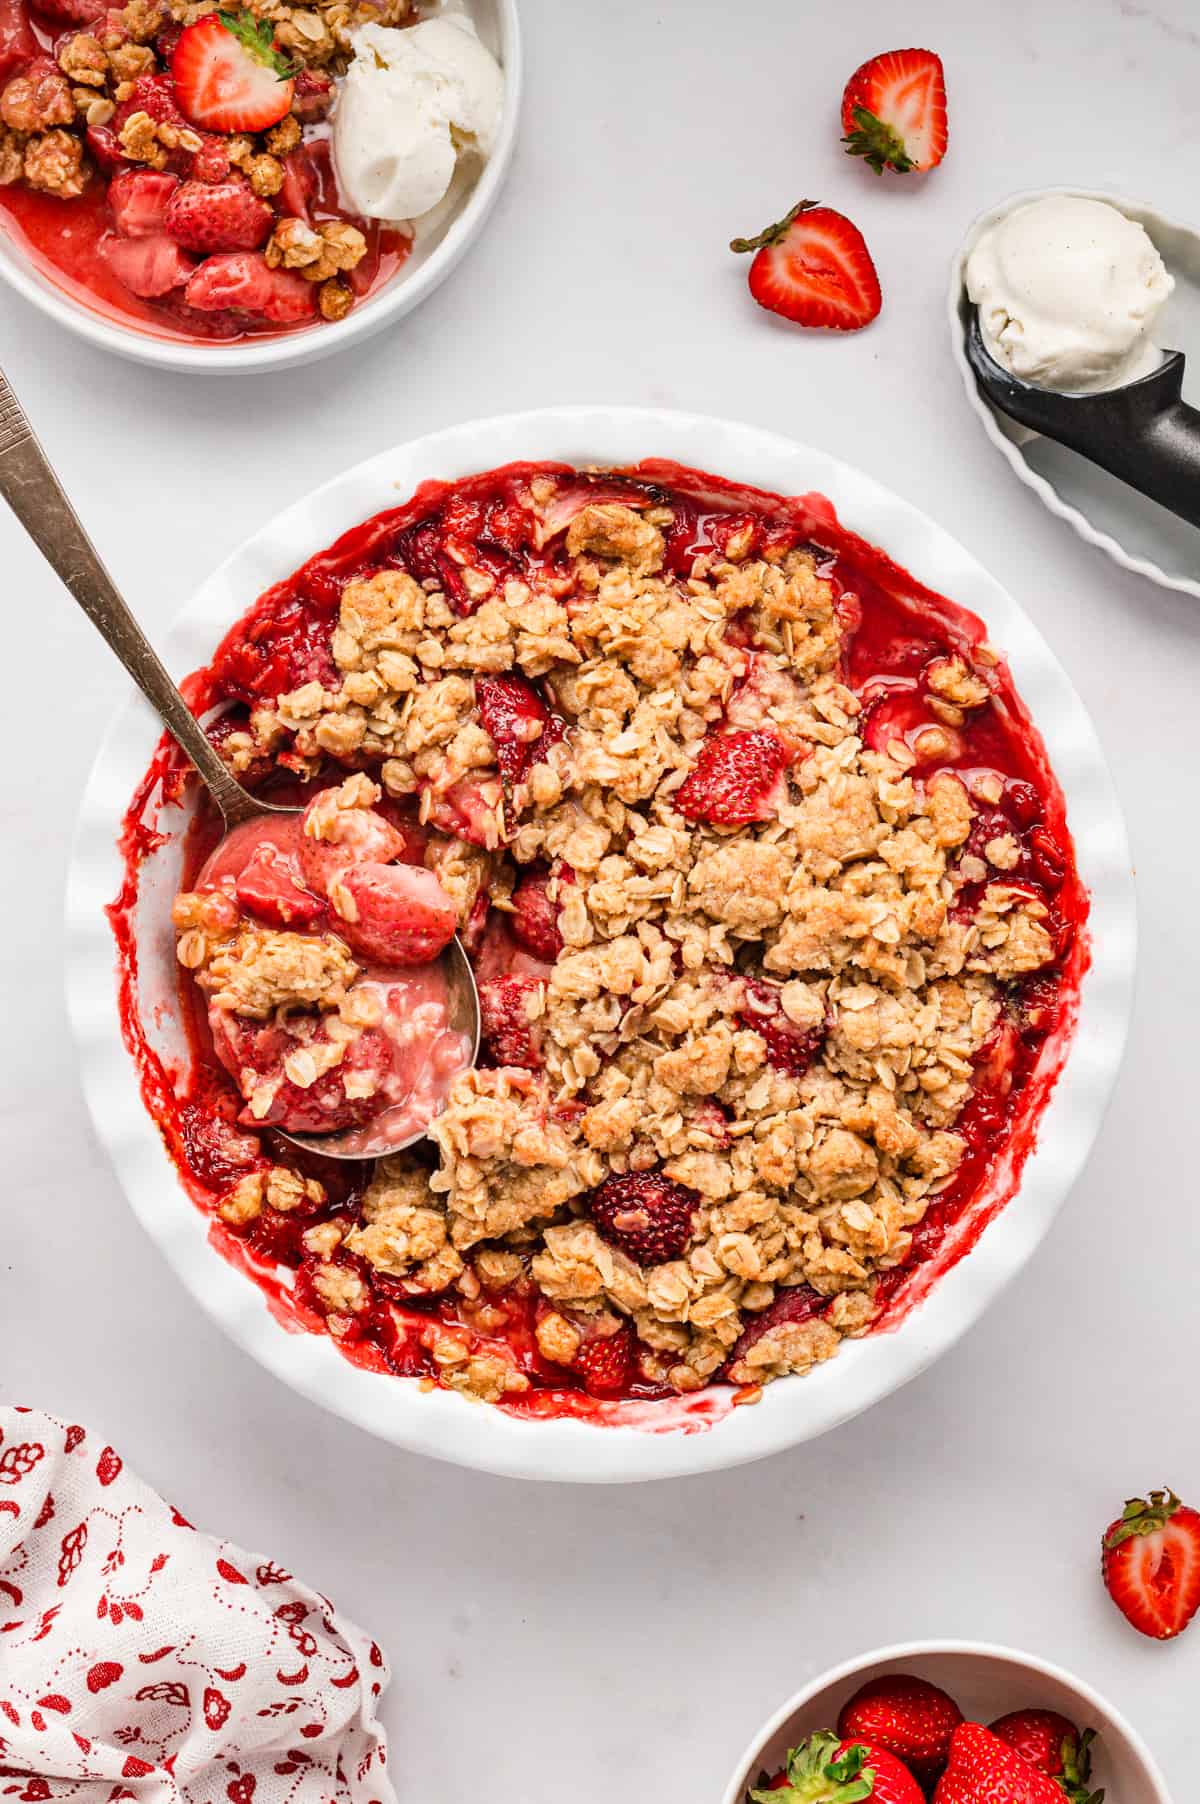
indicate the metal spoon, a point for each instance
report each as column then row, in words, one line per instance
column 1143, row 433
column 33, row 491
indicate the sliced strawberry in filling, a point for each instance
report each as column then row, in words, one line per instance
column 518, row 722
column 790, row 1046
column 242, row 282
column 393, row 914
column 138, row 198
column 17, row 42
column 269, row 886
column 508, row 1011
column 148, row 267
column 737, row 778
column 255, row 1053
column 534, row 918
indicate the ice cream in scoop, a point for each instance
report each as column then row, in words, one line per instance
column 1068, row 292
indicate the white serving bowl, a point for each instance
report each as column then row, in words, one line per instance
column 1126, row 526
column 985, row 1682
column 433, row 256
column 660, row 1441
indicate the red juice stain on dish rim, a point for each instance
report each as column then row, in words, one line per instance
column 896, row 625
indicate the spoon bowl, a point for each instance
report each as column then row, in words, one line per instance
column 33, row 491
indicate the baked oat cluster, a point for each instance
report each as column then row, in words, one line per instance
column 742, row 956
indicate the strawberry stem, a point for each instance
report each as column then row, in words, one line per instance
column 772, row 234
column 1143, row 1516
column 257, row 37
column 881, row 147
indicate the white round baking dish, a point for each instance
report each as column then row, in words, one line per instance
column 667, row 1440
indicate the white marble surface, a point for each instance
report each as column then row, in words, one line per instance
column 625, row 1643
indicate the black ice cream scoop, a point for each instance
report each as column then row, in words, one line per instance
column 1145, row 432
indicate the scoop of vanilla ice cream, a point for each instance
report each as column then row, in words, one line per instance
column 410, row 101
column 1068, row 291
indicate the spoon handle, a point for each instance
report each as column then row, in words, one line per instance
column 33, row 491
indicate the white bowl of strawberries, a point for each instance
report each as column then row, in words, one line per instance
column 955, row 1722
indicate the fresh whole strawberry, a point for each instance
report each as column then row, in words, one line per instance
column 1151, row 1564
column 217, row 216
column 229, row 76
column 909, row 1717
column 648, row 1216
column 894, row 111
column 813, row 267
column 982, row 1769
column 827, row 1769
column 1054, row 1745
column 736, row 779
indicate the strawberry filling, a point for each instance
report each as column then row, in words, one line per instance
column 370, row 878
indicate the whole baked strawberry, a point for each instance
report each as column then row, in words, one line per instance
column 1150, row 1560
column 813, row 267
column 645, row 1214
column 1054, row 1745
column 982, row 1769
column 909, row 1717
column 826, row 1769
column 894, row 111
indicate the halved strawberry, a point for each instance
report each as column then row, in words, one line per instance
column 148, row 267
column 1151, row 1564
column 138, row 198
column 813, row 267
column 894, row 111
column 229, row 76
column 241, row 282
column 217, row 216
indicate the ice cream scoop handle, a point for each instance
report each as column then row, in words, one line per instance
column 1164, row 463
column 33, row 491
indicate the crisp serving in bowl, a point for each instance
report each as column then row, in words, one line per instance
column 780, row 933
column 204, row 182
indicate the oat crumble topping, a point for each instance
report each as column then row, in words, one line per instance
column 742, row 953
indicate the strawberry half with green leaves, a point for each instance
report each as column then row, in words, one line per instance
column 894, row 111
column 813, row 267
column 827, row 1770
column 1054, row 1745
column 982, row 1769
column 911, row 1718
column 1151, row 1564
column 228, row 74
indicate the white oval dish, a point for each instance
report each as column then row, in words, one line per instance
column 985, row 1682
column 1128, row 527
column 430, row 262
column 441, row 1423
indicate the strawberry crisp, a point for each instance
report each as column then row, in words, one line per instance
column 169, row 164
column 770, row 900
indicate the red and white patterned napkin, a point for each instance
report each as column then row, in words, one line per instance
column 141, row 1659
